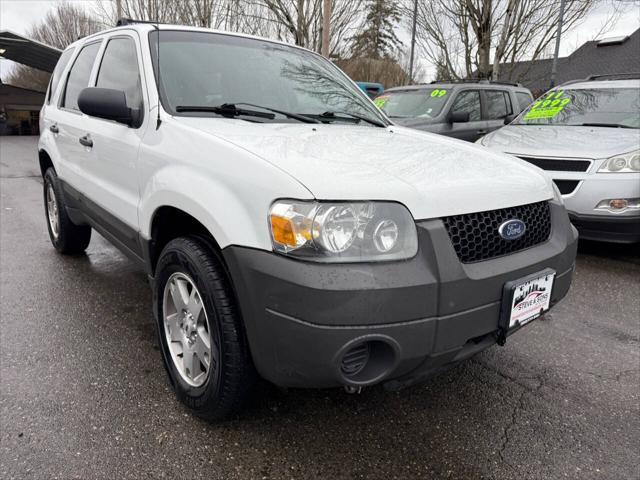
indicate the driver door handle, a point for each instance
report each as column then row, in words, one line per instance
column 54, row 128
column 86, row 141
column 481, row 132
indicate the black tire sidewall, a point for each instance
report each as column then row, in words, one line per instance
column 50, row 178
column 174, row 260
column 72, row 239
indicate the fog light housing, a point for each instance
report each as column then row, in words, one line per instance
column 619, row 205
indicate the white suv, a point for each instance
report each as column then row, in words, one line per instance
column 287, row 227
column 586, row 134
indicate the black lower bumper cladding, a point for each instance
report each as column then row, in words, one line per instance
column 408, row 319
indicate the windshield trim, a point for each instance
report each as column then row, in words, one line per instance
column 153, row 40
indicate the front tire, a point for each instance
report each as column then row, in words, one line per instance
column 200, row 331
column 67, row 237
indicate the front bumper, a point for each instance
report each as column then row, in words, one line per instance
column 425, row 313
column 602, row 225
column 607, row 228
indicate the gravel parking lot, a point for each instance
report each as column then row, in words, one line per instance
column 83, row 393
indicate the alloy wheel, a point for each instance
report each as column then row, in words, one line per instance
column 187, row 330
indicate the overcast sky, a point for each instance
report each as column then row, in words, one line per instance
column 19, row 15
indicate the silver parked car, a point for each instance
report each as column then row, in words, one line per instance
column 586, row 134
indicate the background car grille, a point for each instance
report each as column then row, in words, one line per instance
column 475, row 235
column 559, row 165
column 566, row 186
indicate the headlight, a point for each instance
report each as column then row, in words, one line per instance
column 343, row 232
column 627, row 162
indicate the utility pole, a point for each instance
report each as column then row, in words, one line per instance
column 554, row 67
column 118, row 10
column 326, row 27
column 413, row 39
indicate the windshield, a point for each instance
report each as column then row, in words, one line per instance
column 426, row 102
column 602, row 106
column 200, row 69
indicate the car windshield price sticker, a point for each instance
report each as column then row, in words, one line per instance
column 549, row 106
column 530, row 300
column 438, row 93
column 380, row 101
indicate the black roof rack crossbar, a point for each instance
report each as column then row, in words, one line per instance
column 130, row 21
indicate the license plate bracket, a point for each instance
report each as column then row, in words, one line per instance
column 524, row 300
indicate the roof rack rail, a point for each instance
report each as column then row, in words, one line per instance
column 614, row 76
column 131, row 21
column 478, row 80
column 608, row 76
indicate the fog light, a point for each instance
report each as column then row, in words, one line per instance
column 618, row 204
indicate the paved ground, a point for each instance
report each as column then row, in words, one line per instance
column 83, row 393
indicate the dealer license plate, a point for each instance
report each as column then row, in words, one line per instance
column 530, row 299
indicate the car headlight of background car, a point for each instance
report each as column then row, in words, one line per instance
column 625, row 163
column 343, row 232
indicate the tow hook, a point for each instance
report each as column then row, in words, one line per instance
column 350, row 389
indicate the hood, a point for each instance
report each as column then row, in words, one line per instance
column 563, row 141
column 431, row 175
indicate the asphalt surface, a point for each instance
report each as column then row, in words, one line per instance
column 83, row 393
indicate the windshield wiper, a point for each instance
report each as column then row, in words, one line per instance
column 228, row 110
column 295, row 116
column 332, row 116
column 596, row 124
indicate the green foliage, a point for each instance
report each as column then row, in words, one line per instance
column 377, row 38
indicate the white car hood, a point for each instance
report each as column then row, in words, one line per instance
column 563, row 141
column 431, row 175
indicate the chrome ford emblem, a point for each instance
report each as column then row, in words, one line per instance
column 512, row 229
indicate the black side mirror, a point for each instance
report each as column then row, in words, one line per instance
column 509, row 118
column 106, row 103
column 458, row 117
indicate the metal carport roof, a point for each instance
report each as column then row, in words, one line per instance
column 28, row 52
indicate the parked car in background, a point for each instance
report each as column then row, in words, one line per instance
column 371, row 89
column 586, row 134
column 465, row 110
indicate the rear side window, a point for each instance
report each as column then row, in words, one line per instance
column 57, row 72
column 79, row 75
column 524, row 99
column 119, row 70
column 498, row 104
column 468, row 101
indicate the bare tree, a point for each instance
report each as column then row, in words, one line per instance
column 296, row 21
column 62, row 25
column 300, row 21
column 459, row 35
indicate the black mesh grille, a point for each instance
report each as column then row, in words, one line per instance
column 559, row 165
column 475, row 236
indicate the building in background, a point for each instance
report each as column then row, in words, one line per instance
column 598, row 57
column 19, row 110
column 20, row 107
